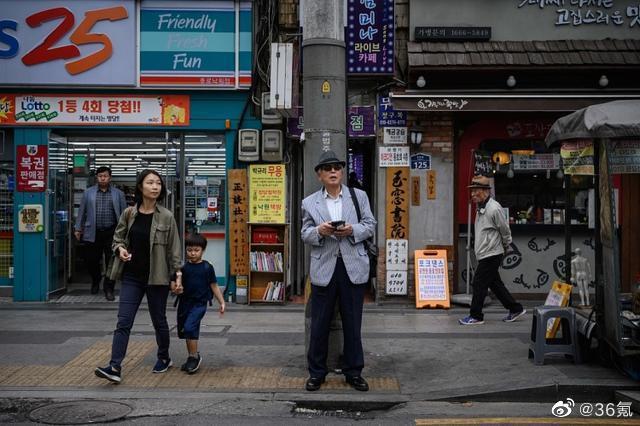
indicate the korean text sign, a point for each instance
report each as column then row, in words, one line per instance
column 31, row 168
column 203, row 44
column 112, row 110
column 267, row 193
column 89, row 42
column 370, row 33
column 238, row 215
column 432, row 279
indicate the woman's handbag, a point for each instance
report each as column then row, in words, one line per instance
column 369, row 246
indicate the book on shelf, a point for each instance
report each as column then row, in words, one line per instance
column 273, row 291
column 266, row 261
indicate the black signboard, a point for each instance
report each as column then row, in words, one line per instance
column 452, row 33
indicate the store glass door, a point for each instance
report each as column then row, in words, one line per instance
column 57, row 225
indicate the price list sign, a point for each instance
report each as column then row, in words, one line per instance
column 431, row 276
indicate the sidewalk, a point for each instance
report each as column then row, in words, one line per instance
column 49, row 350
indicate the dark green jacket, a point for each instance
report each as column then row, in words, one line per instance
column 166, row 250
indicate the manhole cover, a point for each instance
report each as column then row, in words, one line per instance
column 80, row 412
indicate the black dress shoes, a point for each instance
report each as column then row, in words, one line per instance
column 109, row 295
column 95, row 288
column 358, row 383
column 314, row 383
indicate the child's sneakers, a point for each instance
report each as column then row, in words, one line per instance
column 192, row 365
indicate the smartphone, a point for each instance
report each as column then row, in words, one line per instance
column 337, row 223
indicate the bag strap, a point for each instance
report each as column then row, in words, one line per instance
column 355, row 203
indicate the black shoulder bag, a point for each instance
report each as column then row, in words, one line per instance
column 372, row 250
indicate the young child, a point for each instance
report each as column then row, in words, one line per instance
column 196, row 284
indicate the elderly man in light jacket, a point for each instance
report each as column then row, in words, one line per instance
column 492, row 238
column 339, row 269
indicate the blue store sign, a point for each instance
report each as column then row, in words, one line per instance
column 195, row 46
column 421, row 162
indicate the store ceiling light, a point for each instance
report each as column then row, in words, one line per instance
column 421, row 82
column 511, row 81
column 604, row 81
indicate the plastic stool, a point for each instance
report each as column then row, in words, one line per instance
column 541, row 346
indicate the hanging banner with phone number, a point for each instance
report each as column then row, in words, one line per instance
column 101, row 110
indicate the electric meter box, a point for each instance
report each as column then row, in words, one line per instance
column 248, row 145
column 272, row 145
column 269, row 116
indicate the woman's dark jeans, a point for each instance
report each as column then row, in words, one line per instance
column 131, row 295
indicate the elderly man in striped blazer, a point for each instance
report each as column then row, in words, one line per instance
column 339, row 269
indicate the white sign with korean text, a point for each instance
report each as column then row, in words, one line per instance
column 397, row 254
column 394, row 135
column 396, row 283
column 536, row 162
column 394, row 156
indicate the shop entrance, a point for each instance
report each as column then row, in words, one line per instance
column 197, row 201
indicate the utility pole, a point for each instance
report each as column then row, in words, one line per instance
column 324, row 100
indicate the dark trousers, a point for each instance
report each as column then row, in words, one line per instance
column 131, row 295
column 487, row 276
column 323, row 300
column 97, row 252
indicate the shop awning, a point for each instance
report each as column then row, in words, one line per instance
column 458, row 102
column 618, row 119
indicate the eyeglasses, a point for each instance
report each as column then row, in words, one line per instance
column 329, row 167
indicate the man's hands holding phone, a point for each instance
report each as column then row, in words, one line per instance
column 336, row 227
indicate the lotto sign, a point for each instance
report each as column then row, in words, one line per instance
column 31, row 169
column 30, row 218
column 431, row 279
column 89, row 42
column 115, row 110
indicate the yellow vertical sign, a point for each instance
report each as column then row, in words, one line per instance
column 267, row 193
column 431, row 185
column 238, row 216
column 397, row 200
column 415, row 190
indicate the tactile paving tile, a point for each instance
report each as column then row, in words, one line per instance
column 6, row 371
column 30, row 375
column 79, row 372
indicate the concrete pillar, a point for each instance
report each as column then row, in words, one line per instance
column 324, row 99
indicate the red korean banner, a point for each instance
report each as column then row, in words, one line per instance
column 31, row 168
column 100, row 110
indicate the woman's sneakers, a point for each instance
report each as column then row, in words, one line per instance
column 109, row 373
column 162, row 365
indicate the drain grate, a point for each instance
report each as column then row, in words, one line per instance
column 80, row 412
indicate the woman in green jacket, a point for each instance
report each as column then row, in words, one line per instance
column 147, row 243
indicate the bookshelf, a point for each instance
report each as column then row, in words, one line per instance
column 268, row 253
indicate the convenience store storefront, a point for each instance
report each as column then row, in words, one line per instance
column 138, row 107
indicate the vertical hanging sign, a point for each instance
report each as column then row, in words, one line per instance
column 31, row 167
column 370, row 33
column 238, row 218
column 397, row 196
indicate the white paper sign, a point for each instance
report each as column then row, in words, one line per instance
column 394, row 136
column 394, row 156
column 431, row 279
column 397, row 255
column 396, row 283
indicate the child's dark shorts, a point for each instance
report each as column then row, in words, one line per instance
column 190, row 313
